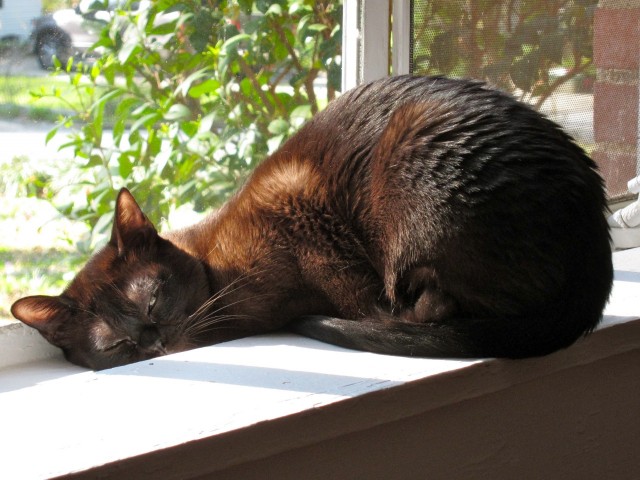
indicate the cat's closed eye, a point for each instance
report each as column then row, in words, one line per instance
column 153, row 300
column 119, row 344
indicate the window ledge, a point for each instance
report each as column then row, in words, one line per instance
column 283, row 406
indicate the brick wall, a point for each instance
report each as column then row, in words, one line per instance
column 616, row 50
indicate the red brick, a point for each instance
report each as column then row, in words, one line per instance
column 615, row 113
column 616, row 42
column 616, row 168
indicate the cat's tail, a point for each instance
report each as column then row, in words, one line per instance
column 451, row 338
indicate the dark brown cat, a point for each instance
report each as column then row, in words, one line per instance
column 413, row 216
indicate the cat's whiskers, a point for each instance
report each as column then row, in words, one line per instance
column 223, row 292
column 213, row 249
column 194, row 330
column 224, row 307
column 192, row 322
column 88, row 312
column 204, row 319
column 117, row 289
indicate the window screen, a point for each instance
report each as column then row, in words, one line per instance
column 575, row 61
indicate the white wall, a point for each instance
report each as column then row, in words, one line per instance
column 16, row 15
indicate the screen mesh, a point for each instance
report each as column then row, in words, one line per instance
column 575, row 61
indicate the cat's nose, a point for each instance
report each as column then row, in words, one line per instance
column 151, row 341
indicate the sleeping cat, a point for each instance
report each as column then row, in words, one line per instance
column 414, row 216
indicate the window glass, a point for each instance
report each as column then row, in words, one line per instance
column 576, row 61
column 176, row 101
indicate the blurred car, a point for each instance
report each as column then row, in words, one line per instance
column 70, row 32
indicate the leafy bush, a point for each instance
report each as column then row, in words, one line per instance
column 197, row 93
column 49, row 6
column 513, row 45
column 20, row 178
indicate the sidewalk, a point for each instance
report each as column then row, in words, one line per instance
column 27, row 139
column 21, row 62
column 574, row 111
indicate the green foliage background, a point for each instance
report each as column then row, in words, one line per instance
column 514, row 45
column 197, row 93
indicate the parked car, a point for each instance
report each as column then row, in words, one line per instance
column 66, row 33
column 70, row 32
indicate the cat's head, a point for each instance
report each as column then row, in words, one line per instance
column 128, row 303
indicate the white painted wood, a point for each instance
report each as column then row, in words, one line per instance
column 375, row 40
column 19, row 345
column 350, row 45
column 274, row 405
column 92, row 418
column 365, row 42
column 401, row 35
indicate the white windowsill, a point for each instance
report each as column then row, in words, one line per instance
column 283, row 406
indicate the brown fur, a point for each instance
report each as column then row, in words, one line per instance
column 417, row 216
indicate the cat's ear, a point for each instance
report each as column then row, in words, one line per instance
column 131, row 227
column 43, row 313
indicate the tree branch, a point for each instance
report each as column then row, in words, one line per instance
column 559, row 81
column 248, row 71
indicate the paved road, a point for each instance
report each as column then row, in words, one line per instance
column 28, row 139
column 21, row 63
column 18, row 138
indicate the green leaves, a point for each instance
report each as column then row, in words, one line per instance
column 177, row 112
column 232, row 45
column 278, row 126
column 513, row 45
column 207, row 87
column 187, row 97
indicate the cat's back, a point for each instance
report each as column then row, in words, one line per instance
column 464, row 117
column 454, row 188
column 468, row 142
column 453, row 172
